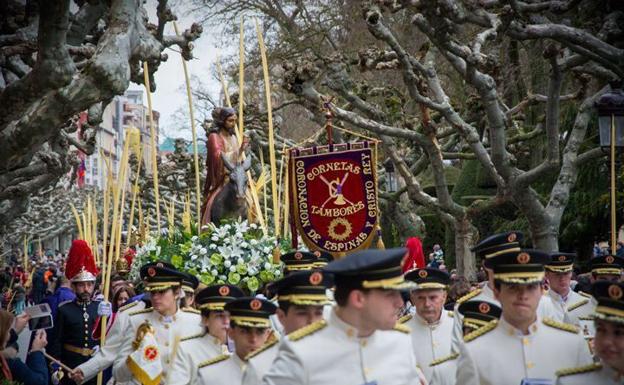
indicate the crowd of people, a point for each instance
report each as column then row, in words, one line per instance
column 367, row 318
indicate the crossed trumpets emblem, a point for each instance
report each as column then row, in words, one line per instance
column 335, row 191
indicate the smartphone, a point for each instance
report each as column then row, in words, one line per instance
column 43, row 322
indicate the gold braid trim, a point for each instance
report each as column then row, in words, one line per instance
column 190, row 310
column 578, row 370
column 481, row 331
column 307, row 330
column 560, row 325
column 214, row 360
column 128, row 306
column 270, row 342
column 405, row 318
column 444, row 359
column 193, row 336
column 585, row 294
column 468, row 296
column 402, row 328
column 148, row 310
column 577, row 305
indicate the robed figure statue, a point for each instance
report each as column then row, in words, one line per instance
column 224, row 189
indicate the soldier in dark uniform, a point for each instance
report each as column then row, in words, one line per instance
column 72, row 341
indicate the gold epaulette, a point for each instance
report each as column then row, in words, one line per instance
column 585, row 294
column 190, row 310
column 402, row 328
column 577, row 305
column 468, row 296
column 128, row 306
column 193, row 336
column 271, row 342
column 560, row 325
column 587, row 318
column 444, row 359
column 578, row 370
column 451, row 314
column 307, row 330
column 214, row 360
column 143, row 311
column 481, row 331
column 405, row 318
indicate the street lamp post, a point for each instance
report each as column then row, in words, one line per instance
column 610, row 108
column 391, row 182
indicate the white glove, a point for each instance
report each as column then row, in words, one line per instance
column 105, row 309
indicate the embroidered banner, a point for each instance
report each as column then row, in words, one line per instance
column 334, row 196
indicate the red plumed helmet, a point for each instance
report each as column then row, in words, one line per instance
column 80, row 265
column 416, row 257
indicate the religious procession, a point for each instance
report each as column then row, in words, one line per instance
column 356, row 193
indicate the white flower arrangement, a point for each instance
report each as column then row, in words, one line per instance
column 236, row 253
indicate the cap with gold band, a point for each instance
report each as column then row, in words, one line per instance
column 561, row 262
column 371, row 269
column 428, row 278
column 610, row 297
column 298, row 260
column 303, row 288
column 189, row 282
column 607, row 265
column 215, row 297
column 322, row 258
column 478, row 313
column 523, row 267
column 497, row 244
column 251, row 312
column 159, row 276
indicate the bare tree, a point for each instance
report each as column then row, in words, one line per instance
column 457, row 96
column 56, row 63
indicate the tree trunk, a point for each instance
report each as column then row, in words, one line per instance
column 464, row 237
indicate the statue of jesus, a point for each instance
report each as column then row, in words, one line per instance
column 222, row 143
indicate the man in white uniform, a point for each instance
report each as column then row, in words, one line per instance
column 360, row 343
column 166, row 318
column 522, row 346
column 568, row 303
column 476, row 314
column 608, row 342
column 301, row 297
column 211, row 342
column 488, row 249
column 249, row 329
column 431, row 326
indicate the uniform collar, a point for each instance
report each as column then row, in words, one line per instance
column 487, row 292
column 238, row 361
column 169, row 318
column 431, row 325
column 559, row 298
column 512, row 331
column 349, row 331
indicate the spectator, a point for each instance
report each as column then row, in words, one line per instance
column 438, row 253
column 62, row 293
column 34, row 371
column 19, row 298
column 597, row 251
column 458, row 289
column 433, row 263
column 121, row 295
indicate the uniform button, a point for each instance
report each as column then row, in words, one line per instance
column 86, row 345
column 525, row 341
column 350, row 333
column 363, row 343
column 534, row 328
column 434, row 344
column 366, row 371
column 529, row 365
column 166, row 326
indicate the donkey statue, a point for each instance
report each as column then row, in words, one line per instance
column 230, row 202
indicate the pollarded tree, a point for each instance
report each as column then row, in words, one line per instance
column 472, row 80
column 57, row 59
